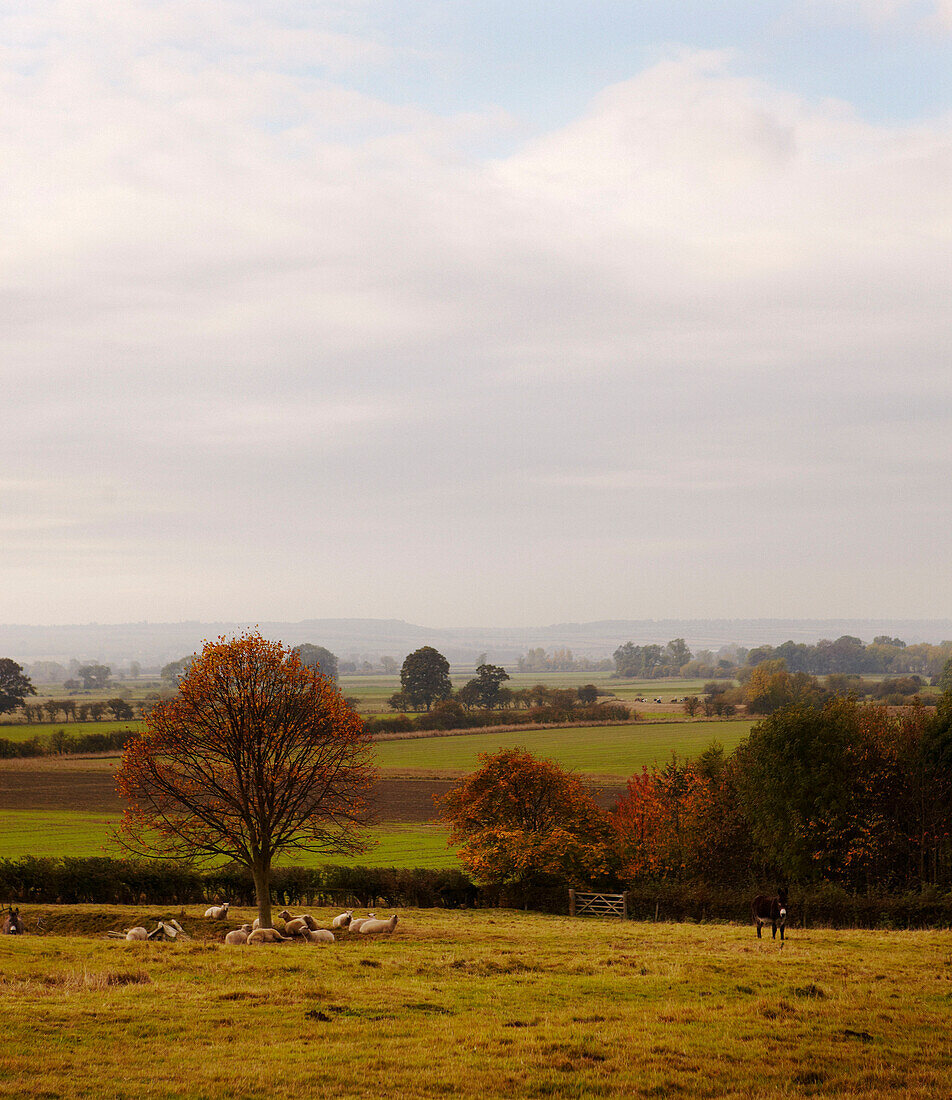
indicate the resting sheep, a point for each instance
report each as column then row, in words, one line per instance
column 239, row 935
column 266, row 935
column 354, row 925
column 217, row 912
column 137, row 933
column 318, row 935
column 371, row 927
column 343, row 920
column 294, row 926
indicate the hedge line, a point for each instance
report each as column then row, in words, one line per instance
column 55, row 744
column 98, row 880
column 444, row 717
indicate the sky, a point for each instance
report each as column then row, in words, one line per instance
column 475, row 313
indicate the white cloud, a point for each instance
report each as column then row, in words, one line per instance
column 213, row 252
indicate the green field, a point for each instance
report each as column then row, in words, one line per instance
column 79, row 833
column 474, row 1005
column 596, row 750
column 13, row 731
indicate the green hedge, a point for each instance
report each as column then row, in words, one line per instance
column 98, row 880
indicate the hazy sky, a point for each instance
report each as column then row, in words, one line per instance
column 475, row 313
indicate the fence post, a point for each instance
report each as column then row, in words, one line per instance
column 624, row 905
column 571, row 903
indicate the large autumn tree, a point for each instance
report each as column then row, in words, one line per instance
column 523, row 821
column 256, row 755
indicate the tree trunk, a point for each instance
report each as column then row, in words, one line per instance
column 262, row 876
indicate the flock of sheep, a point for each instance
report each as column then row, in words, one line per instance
column 302, row 928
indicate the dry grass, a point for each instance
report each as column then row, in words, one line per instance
column 478, row 1004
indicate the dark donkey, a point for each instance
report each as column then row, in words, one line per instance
column 772, row 911
column 12, row 925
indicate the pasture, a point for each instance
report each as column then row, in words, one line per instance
column 474, row 1004
column 593, row 750
column 85, row 833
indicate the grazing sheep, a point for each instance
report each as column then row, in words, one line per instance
column 266, row 935
column 138, row 933
column 371, row 927
column 318, row 935
column 217, row 912
column 239, row 935
column 354, row 925
column 343, row 920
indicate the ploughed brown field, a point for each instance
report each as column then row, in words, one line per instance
column 46, row 787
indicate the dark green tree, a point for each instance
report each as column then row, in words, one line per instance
column 94, row 677
column 175, row 670
column 14, row 685
column 425, row 677
column 802, row 783
column 318, row 659
column 486, row 685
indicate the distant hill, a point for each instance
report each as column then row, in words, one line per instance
column 154, row 644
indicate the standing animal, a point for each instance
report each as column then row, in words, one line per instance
column 371, row 927
column 354, row 925
column 12, row 924
column 217, row 912
column 342, row 921
column 772, row 911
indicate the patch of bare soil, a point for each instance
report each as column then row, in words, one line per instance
column 404, row 801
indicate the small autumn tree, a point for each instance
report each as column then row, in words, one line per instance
column 254, row 756
column 523, row 821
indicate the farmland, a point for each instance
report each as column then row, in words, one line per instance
column 475, row 1004
column 594, row 750
column 84, row 833
column 62, row 805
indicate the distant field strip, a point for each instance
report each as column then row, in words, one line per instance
column 14, row 732
column 78, row 833
column 596, row 750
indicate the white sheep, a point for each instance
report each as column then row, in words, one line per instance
column 354, row 925
column 371, row 927
column 217, row 912
column 343, row 920
column 239, row 935
column 138, row 933
column 266, row 935
column 318, row 935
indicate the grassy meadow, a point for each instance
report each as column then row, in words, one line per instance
column 83, row 833
column 594, row 750
column 473, row 1004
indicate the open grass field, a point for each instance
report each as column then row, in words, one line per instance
column 84, row 833
column 13, row 731
column 595, row 750
column 474, row 1004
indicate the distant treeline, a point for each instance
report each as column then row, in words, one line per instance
column 847, row 655
column 539, row 705
column 61, row 742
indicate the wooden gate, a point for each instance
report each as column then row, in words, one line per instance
column 598, row 905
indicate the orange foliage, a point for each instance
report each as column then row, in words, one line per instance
column 255, row 755
column 523, row 820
